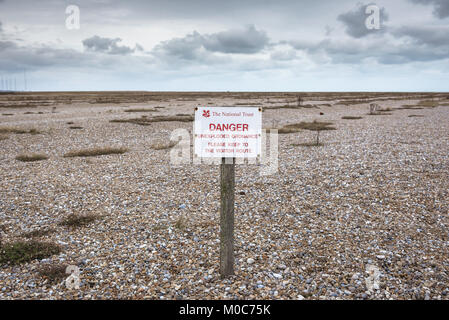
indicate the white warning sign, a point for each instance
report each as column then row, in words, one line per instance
column 228, row 132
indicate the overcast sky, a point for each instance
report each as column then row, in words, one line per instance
column 227, row 45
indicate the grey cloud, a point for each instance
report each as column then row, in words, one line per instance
column 381, row 50
column 354, row 21
column 249, row 40
column 186, row 48
column 15, row 58
column 433, row 36
column 441, row 7
column 196, row 46
column 108, row 45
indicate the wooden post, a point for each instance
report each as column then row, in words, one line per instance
column 227, row 185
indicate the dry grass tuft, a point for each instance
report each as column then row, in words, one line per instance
column 144, row 121
column 37, row 233
column 31, row 157
column 416, row 116
column 54, row 273
column 25, row 251
column 308, row 144
column 312, row 126
column 141, row 110
column 306, row 106
column 286, row 130
column 95, row 152
column 77, row 220
column 409, row 107
column 351, row 118
column 163, row 145
column 3, row 137
column 428, row 103
column 181, row 224
column 18, row 131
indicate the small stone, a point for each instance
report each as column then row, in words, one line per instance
column 300, row 297
column 277, row 275
column 250, row 261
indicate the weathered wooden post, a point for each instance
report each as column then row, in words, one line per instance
column 227, row 133
column 227, row 185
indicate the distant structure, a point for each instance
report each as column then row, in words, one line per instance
column 24, row 80
column 8, row 85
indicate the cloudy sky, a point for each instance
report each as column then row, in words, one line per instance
column 208, row 45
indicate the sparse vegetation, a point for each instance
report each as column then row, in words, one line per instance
column 31, row 157
column 95, row 152
column 78, row 220
column 351, row 118
column 316, row 126
column 312, row 126
column 54, row 273
column 428, row 103
column 306, row 106
column 163, row 145
column 287, row 130
column 409, row 107
column 141, row 110
column 18, row 131
column 181, row 224
column 25, row 251
column 37, row 233
column 308, row 144
column 144, row 121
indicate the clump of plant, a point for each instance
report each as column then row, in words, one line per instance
column 19, row 131
column 78, row 220
column 25, row 251
column 316, row 126
column 141, row 110
column 145, row 121
column 37, row 233
column 181, row 224
column 95, row 152
column 163, row 145
column 351, row 118
column 31, row 157
column 54, row 273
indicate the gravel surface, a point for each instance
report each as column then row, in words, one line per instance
column 374, row 196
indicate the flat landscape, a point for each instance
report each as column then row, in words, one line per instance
column 86, row 180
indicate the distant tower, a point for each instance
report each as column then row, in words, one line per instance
column 25, row 79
